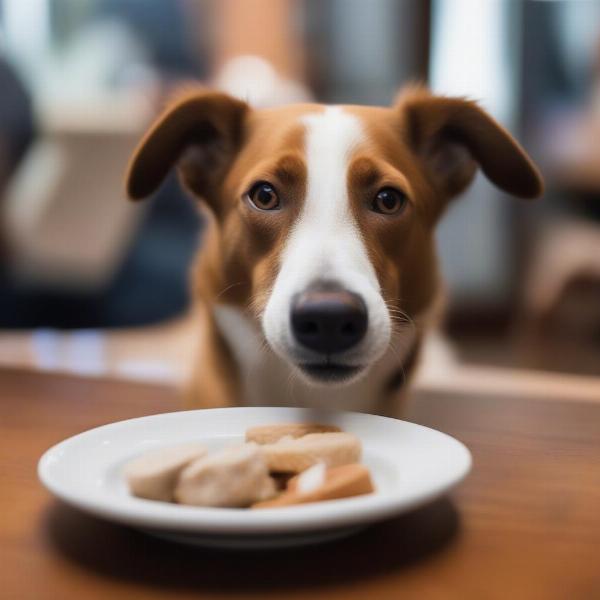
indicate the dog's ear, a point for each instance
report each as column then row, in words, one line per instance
column 201, row 132
column 453, row 136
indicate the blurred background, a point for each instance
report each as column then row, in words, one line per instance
column 92, row 284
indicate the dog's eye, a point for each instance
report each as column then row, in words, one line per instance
column 389, row 201
column 263, row 196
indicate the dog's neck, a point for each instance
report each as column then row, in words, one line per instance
column 267, row 380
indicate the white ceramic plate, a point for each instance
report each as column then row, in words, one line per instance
column 410, row 465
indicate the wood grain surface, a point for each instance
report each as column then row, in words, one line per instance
column 525, row 524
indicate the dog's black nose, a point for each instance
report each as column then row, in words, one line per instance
column 328, row 319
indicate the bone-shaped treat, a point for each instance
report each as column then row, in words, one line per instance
column 269, row 434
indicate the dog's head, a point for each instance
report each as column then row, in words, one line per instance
column 325, row 214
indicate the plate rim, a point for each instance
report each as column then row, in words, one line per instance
column 226, row 521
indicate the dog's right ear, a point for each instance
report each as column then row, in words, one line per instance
column 201, row 132
column 454, row 136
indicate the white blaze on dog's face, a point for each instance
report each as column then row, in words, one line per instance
column 325, row 251
column 321, row 219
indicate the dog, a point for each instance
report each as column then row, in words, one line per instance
column 318, row 279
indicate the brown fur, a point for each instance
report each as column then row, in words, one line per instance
column 427, row 146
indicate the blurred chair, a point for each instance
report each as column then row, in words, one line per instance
column 566, row 252
column 67, row 223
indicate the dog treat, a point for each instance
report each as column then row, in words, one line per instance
column 318, row 484
column 153, row 475
column 296, row 455
column 279, row 465
column 234, row 477
column 269, row 434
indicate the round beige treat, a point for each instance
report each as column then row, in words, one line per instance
column 269, row 434
column 153, row 475
column 234, row 477
column 295, row 455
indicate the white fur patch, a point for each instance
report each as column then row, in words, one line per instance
column 268, row 380
column 326, row 244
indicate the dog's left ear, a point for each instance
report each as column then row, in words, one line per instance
column 201, row 132
column 452, row 136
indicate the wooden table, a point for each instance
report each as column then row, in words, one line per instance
column 525, row 524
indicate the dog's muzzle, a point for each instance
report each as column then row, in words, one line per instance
column 328, row 320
